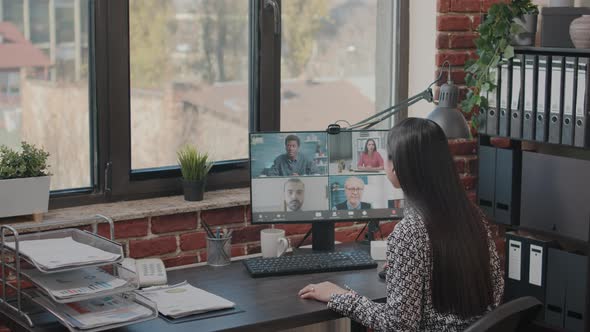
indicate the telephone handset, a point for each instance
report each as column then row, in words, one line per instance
column 150, row 271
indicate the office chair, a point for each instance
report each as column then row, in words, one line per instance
column 510, row 316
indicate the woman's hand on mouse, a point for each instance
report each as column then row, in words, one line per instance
column 321, row 292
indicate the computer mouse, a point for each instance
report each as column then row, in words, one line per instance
column 382, row 274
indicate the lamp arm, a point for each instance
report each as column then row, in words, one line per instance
column 390, row 111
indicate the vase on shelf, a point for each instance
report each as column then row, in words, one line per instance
column 580, row 31
column 528, row 22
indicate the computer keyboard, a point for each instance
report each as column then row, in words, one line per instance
column 309, row 263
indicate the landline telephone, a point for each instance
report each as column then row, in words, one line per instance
column 150, row 271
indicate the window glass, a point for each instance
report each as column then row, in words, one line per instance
column 44, row 86
column 328, row 62
column 189, row 79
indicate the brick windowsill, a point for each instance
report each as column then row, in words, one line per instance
column 137, row 209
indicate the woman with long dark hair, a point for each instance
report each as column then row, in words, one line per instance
column 443, row 270
column 370, row 158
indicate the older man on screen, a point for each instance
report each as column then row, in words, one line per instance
column 353, row 189
column 292, row 163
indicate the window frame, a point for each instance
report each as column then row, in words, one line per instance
column 112, row 178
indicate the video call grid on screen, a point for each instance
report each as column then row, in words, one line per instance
column 313, row 176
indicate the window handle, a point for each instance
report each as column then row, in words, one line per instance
column 107, row 177
column 276, row 13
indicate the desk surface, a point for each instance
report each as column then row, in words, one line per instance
column 269, row 304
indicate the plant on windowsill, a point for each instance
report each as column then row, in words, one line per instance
column 504, row 24
column 24, row 181
column 194, row 166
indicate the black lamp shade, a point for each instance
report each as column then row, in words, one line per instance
column 446, row 114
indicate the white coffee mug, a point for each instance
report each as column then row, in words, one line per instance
column 273, row 242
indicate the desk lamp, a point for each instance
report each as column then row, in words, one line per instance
column 445, row 114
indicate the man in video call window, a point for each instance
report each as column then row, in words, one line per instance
column 294, row 194
column 292, row 163
column 353, row 189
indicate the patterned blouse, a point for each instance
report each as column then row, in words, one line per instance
column 409, row 297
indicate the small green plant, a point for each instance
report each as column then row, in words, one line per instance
column 29, row 162
column 194, row 165
column 493, row 49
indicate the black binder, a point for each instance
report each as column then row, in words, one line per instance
column 556, row 282
column 557, row 99
column 505, row 92
column 487, row 179
column 543, row 99
column 492, row 111
column 581, row 124
column 516, row 100
column 570, row 85
column 530, row 97
column 507, row 187
column 575, row 293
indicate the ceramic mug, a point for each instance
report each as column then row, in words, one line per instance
column 273, row 242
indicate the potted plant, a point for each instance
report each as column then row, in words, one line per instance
column 24, row 181
column 501, row 26
column 194, row 166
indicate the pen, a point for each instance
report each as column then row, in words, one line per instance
column 208, row 230
column 217, row 232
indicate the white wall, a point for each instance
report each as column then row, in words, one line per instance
column 422, row 52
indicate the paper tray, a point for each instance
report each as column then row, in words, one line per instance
column 77, row 235
column 128, row 275
column 63, row 319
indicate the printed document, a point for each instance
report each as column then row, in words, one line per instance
column 98, row 312
column 182, row 299
column 62, row 252
column 69, row 284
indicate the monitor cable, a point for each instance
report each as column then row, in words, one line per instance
column 304, row 238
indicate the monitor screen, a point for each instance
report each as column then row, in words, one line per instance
column 314, row 176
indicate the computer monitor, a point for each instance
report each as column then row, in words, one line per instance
column 319, row 178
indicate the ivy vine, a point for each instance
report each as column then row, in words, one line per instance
column 493, row 49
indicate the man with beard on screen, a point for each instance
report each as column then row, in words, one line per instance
column 294, row 192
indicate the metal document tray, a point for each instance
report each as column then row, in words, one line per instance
column 128, row 275
column 80, row 236
column 63, row 318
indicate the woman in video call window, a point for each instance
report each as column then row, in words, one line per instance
column 370, row 158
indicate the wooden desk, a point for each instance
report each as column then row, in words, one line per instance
column 269, row 304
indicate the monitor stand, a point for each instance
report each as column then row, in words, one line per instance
column 322, row 236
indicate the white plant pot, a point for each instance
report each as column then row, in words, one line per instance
column 580, row 31
column 24, row 196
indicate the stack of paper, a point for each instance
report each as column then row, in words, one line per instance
column 67, row 285
column 62, row 252
column 99, row 312
column 181, row 300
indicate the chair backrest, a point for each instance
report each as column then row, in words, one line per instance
column 509, row 316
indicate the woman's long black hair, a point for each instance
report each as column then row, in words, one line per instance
column 461, row 279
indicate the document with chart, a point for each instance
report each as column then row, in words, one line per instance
column 182, row 299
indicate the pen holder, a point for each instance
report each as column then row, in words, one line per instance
column 218, row 251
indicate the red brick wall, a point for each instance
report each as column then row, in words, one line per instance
column 456, row 25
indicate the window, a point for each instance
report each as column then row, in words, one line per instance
column 117, row 86
column 327, row 62
column 339, row 60
column 189, row 79
column 40, row 103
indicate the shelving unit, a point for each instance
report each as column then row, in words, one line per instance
column 539, row 108
column 25, row 305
